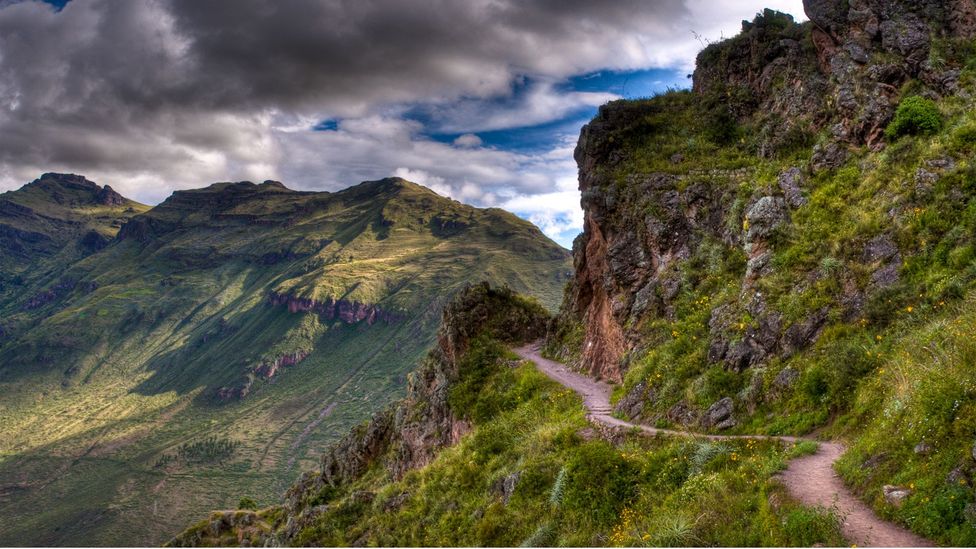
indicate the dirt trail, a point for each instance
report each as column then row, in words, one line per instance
column 811, row 480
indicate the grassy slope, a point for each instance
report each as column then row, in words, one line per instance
column 904, row 366
column 570, row 488
column 100, row 386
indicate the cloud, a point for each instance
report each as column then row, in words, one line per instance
column 155, row 95
column 468, row 140
column 539, row 103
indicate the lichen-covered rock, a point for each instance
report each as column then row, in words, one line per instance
column 682, row 414
column 784, row 381
column 632, row 404
column 719, row 415
column 791, row 182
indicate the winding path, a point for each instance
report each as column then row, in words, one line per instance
column 811, row 480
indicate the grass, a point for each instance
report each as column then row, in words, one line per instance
column 570, row 490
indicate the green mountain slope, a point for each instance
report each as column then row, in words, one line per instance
column 53, row 221
column 220, row 340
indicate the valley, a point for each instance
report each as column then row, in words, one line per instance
column 220, row 340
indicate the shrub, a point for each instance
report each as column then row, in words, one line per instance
column 599, row 483
column 809, row 526
column 247, row 503
column 915, row 116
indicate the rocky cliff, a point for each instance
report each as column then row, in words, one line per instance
column 804, row 97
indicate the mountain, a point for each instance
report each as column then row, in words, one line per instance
column 162, row 362
column 785, row 249
column 54, row 220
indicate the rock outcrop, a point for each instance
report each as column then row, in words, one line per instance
column 829, row 85
column 346, row 311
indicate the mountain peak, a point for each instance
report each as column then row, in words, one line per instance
column 67, row 190
column 68, row 179
column 241, row 187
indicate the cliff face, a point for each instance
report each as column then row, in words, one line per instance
column 349, row 312
column 831, row 84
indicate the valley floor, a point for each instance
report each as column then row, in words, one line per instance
column 810, row 480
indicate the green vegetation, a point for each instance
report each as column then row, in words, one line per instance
column 879, row 261
column 915, row 116
column 121, row 385
column 532, row 473
column 247, row 503
column 918, row 409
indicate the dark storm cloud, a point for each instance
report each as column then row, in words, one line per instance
column 147, row 86
column 347, row 54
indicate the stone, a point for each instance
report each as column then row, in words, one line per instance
column 941, row 163
column 682, row 414
column 857, row 52
column 785, row 379
column 879, row 248
column 958, row 477
column 895, row 495
column 764, row 217
column 506, row 485
column 791, row 183
column 751, row 394
column 802, row 334
column 886, row 276
column 632, row 404
column 923, row 449
column 726, row 424
column 907, row 36
column 719, row 415
column 828, row 157
column 743, row 354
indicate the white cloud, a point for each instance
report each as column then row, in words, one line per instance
column 468, row 140
column 541, row 103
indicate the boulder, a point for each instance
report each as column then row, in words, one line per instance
column 632, row 404
column 828, row 156
column 895, row 495
column 783, row 382
column 764, row 217
column 719, row 415
column 791, row 183
column 682, row 414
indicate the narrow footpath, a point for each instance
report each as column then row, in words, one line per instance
column 811, row 480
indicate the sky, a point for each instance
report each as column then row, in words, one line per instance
column 480, row 100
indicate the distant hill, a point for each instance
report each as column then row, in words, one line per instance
column 165, row 361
